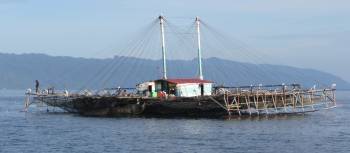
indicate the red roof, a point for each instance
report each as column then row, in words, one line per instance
column 182, row 81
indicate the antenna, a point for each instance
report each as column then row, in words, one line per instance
column 161, row 21
column 199, row 49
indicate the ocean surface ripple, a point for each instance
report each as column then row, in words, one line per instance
column 41, row 131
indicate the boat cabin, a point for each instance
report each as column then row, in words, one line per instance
column 177, row 87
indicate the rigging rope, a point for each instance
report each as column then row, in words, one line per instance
column 181, row 45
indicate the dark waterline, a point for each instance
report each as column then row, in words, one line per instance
column 39, row 131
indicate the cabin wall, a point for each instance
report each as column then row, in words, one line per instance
column 193, row 89
column 144, row 86
column 143, row 89
column 179, row 90
column 208, row 87
column 158, row 87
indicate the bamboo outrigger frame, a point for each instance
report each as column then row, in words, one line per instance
column 276, row 99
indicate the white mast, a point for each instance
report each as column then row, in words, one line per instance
column 161, row 20
column 199, row 49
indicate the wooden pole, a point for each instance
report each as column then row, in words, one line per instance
column 199, row 49
column 248, row 104
column 264, row 101
column 302, row 102
column 274, row 98
column 161, row 21
column 255, row 98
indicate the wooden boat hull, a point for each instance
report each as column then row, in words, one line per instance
column 202, row 106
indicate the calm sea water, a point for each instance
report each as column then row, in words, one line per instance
column 38, row 131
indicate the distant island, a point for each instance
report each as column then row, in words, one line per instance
column 18, row 71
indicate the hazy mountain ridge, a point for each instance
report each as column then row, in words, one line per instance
column 20, row 71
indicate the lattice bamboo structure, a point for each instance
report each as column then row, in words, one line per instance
column 275, row 99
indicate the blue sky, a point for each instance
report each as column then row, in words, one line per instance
column 307, row 34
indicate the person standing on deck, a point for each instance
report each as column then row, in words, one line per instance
column 37, row 86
